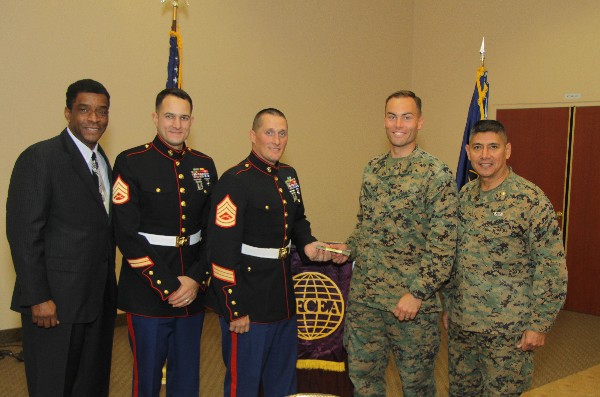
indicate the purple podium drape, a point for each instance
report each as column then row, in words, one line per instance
column 321, row 295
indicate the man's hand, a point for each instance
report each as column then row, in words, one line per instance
column 185, row 294
column 44, row 314
column 531, row 340
column 315, row 254
column 407, row 307
column 339, row 258
column 240, row 325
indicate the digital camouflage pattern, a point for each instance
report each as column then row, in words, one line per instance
column 404, row 241
column 487, row 364
column 372, row 334
column 405, row 237
column 510, row 273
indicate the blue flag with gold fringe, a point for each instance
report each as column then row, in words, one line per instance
column 174, row 66
column 477, row 111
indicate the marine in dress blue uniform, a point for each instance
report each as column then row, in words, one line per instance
column 257, row 212
column 161, row 196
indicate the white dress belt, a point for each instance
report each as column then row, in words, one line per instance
column 172, row 241
column 268, row 253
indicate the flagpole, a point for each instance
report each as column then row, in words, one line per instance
column 174, row 23
column 175, row 49
column 482, row 52
column 483, row 100
column 175, row 5
column 477, row 112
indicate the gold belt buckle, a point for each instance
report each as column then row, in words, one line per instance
column 182, row 241
column 283, row 252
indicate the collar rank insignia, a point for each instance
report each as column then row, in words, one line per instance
column 293, row 187
column 120, row 194
column 201, row 177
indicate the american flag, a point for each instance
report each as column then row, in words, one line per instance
column 174, row 67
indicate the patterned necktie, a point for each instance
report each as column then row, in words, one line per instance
column 97, row 175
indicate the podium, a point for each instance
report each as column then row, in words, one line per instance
column 321, row 295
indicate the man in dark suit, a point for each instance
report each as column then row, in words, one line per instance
column 61, row 239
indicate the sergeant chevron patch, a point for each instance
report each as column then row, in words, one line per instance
column 120, row 194
column 226, row 213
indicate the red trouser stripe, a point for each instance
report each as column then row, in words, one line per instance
column 134, row 348
column 233, row 365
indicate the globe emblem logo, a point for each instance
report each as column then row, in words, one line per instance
column 319, row 305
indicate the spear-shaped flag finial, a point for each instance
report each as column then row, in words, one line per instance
column 175, row 47
column 482, row 51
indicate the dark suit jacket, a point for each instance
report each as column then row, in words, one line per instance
column 60, row 236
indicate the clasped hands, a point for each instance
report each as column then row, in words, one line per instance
column 186, row 293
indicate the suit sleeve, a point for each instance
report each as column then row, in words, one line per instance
column 27, row 212
column 225, row 237
column 200, row 270
column 137, row 252
column 301, row 233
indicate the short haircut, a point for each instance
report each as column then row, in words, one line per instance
column 488, row 126
column 258, row 118
column 406, row 94
column 178, row 92
column 85, row 85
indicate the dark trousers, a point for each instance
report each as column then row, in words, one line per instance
column 69, row 359
column 266, row 354
column 175, row 340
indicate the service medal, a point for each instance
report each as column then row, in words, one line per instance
column 293, row 187
column 201, row 176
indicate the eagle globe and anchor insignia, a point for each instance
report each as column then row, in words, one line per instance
column 319, row 305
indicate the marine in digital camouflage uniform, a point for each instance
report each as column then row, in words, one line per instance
column 404, row 245
column 510, row 277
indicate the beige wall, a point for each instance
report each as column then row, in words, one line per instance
column 537, row 51
column 327, row 64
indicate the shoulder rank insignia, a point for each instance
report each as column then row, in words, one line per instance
column 293, row 187
column 201, row 177
column 226, row 213
column 120, row 194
